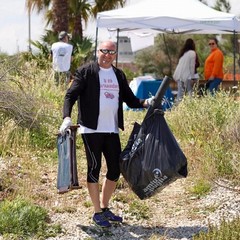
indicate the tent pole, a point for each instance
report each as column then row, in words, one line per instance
column 234, row 58
column 95, row 54
column 117, row 47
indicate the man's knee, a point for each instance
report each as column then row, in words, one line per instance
column 113, row 176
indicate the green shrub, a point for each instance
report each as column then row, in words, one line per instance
column 139, row 210
column 25, row 220
column 206, row 128
column 208, row 132
column 228, row 230
column 201, row 187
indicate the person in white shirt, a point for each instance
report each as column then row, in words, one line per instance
column 61, row 53
column 185, row 70
column 100, row 89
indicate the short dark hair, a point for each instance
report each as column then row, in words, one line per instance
column 62, row 35
column 214, row 39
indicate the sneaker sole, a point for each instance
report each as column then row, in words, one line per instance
column 101, row 226
column 112, row 221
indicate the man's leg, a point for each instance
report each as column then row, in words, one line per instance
column 92, row 144
column 111, row 151
column 68, row 76
column 93, row 154
column 99, row 217
column 62, row 78
column 107, row 191
column 110, row 143
column 56, row 78
column 93, row 189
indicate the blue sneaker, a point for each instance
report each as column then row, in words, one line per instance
column 111, row 216
column 100, row 220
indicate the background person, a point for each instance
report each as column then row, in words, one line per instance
column 213, row 67
column 101, row 89
column 185, row 70
column 61, row 53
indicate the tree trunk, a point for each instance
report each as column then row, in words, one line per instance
column 78, row 29
column 60, row 15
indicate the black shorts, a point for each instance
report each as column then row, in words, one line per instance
column 97, row 144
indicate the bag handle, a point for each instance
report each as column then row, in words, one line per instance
column 156, row 103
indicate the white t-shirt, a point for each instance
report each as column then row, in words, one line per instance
column 61, row 53
column 108, row 104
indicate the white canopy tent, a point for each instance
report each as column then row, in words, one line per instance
column 170, row 16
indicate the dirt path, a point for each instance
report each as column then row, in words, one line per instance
column 171, row 214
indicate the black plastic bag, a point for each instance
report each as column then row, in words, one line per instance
column 152, row 158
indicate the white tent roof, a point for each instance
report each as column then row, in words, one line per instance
column 172, row 16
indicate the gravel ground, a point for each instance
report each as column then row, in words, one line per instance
column 174, row 214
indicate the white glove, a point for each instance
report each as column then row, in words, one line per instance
column 79, row 130
column 149, row 101
column 65, row 124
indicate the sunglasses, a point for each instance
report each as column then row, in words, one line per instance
column 211, row 44
column 107, row 51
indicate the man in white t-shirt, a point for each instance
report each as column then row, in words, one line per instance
column 61, row 53
column 100, row 89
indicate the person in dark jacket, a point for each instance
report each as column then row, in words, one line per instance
column 100, row 89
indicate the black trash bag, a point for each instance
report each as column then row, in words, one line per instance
column 152, row 158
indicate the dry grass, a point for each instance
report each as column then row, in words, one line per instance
column 207, row 130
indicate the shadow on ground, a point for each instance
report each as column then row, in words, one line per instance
column 132, row 232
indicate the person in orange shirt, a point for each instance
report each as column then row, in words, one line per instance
column 213, row 67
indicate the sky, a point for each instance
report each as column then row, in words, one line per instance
column 14, row 26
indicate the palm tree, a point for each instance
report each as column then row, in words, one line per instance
column 105, row 5
column 39, row 5
column 222, row 5
column 70, row 14
column 60, row 15
column 79, row 10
